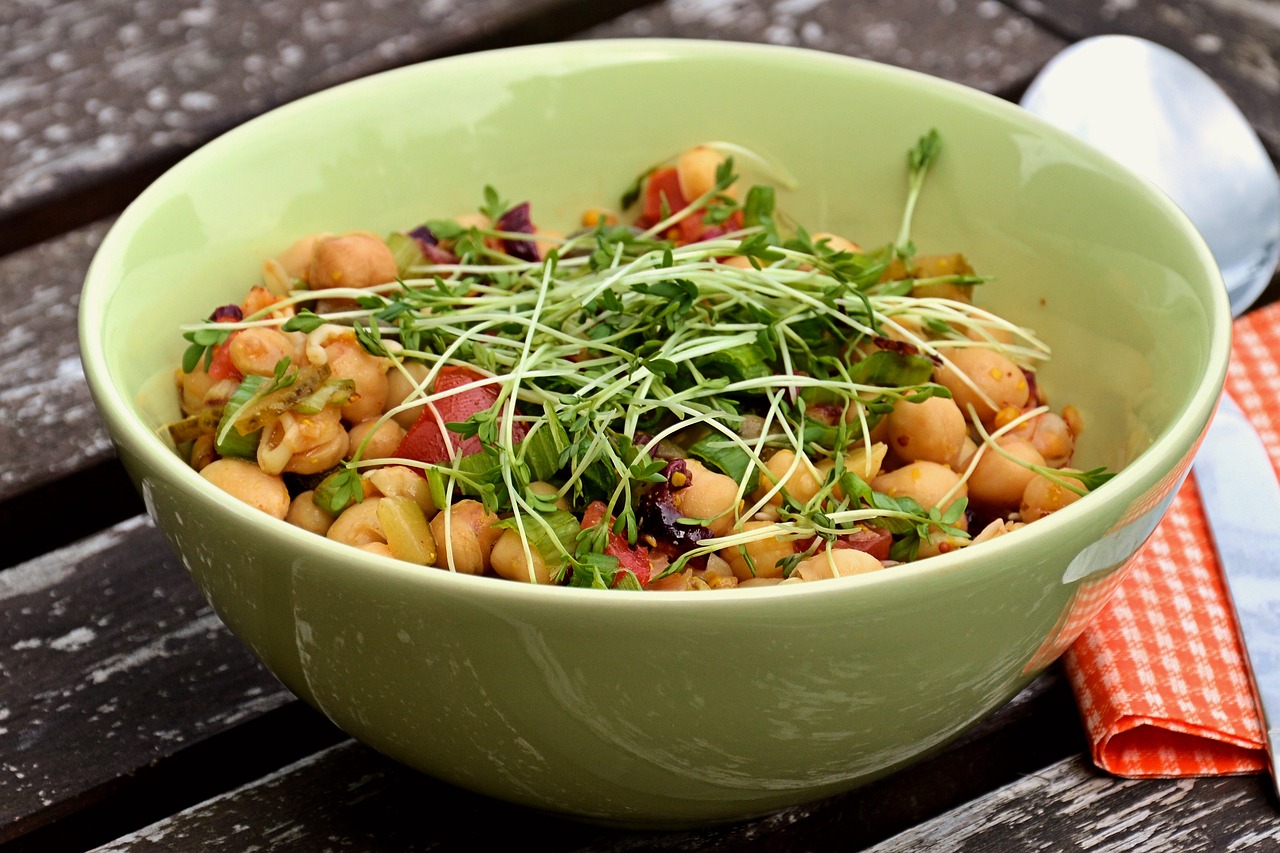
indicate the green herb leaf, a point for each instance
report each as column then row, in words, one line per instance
column 304, row 321
column 339, row 490
column 889, row 368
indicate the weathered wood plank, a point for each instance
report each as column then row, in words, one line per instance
column 976, row 42
column 349, row 797
column 50, row 427
column 89, row 90
column 110, row 661
column 1073, row 806
column 1237, row 42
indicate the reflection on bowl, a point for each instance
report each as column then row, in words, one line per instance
column 683, row 708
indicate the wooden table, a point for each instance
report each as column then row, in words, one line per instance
column 131, row 720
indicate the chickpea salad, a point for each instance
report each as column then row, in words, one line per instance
column 688, row 391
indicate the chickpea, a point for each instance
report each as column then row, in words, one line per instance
column 760, row 582
column 696, row 171
column 303, row 444
column 383, row 437
column 260, row 298
column 1050, row 435
column 1043, row 496
column 397, row 481
column 358, row 525
column 511, row 562
column 763, row 554
column 673, row 583
column 933, row 430
column 400, row 387
column 198, row 390
column 256, row 351
column 709, row 495
column 465, row 534
column 348, row 360
column 358, row 259
column 538, row 487
column 837, row 563
column 925, row 482
column 997, row 481
column 741, row 262
column 546, row 239
column 800, row 479
column 304, row 513
column 247, row 482
column 296, row 260
column 994, row 381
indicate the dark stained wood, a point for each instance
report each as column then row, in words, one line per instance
column 976, row 42
column 111, row 661
column 1073, row 806
column 1237, row 42
column 50, row 427
column 348, row 797
column 114, row 90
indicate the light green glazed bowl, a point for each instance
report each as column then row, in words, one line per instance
column 681, row 708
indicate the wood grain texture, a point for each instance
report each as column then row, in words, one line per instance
column 1237, row 42
column 110, row 660
column 94, row 89
column 49, row 426
column 1072, row 806
column 980, row 43
column 350, row 798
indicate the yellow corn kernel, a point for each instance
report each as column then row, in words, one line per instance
column 1006, row 415
column 595, row 215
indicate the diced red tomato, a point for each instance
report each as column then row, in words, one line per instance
column 426, row 442
column 664, row 184
column 663, row 188
column 633, row 559
column 876, row 541
column 220, row 364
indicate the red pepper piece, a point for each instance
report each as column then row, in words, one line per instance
column 664, row 184
column 220, row 364
column 876, row 541
column 633, row 559
column 426, row 442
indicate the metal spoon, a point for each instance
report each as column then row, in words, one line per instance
column 1157, row 113
column 1165, row 119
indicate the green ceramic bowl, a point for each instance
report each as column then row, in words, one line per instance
column 682, row 708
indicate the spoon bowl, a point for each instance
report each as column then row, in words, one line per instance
column 1161, row 116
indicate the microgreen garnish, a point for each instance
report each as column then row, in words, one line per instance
column 919, row 159
column 619, row 344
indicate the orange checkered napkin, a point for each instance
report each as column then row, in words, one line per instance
column 1160, row 675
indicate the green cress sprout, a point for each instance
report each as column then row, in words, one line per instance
column 618, row 342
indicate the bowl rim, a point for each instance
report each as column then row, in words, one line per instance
column 1138, row 477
